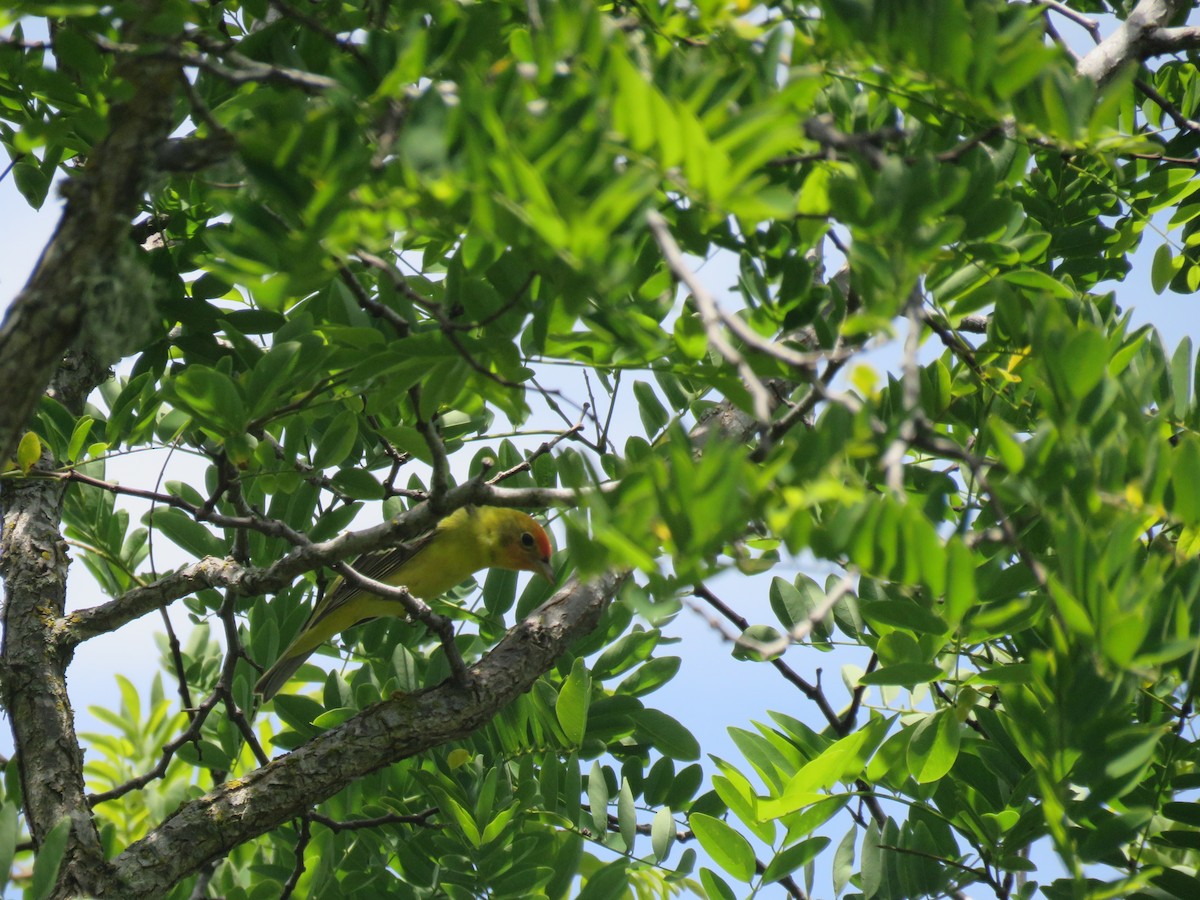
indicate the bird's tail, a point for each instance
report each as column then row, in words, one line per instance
column 279, row 675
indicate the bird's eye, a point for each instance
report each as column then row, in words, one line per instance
column 527, row 540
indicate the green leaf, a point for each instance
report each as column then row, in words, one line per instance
column 960, row 581
column 1162, row 269
column 625, row 653
column 902, row 614
column 906, row 674
column 10, row 834
column 358, row 484
column 727, row 847
column 662, row 833
column 792, row 858
column 210, row 396
column 690, row 336
column 626, row 816
column 31, row 181
column 841, row 760
column 1081, row 363
column 334, row 717
column 29, row 451
column 843, row 861
column 609, row 883
column 1188, row 813
column 874, row 866
column 714, row 886
column 186, row 532
column 207, row 755
column 786, row 602
column 1181, row 378
column 598, row 800
column 571, row 707
column 934, row 746
column 78, row 438
column 331, row 523
column 49, row 858
column 1185, row 480
column 337, row 441
column 650, row 676
column 1007, row 446
column 754, row 643
column 667, row 734
column 298, row 711
column 654, row 415
column 1040, row 282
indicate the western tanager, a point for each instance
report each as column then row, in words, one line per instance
column 470, row 539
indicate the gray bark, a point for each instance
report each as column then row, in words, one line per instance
column 1141, row 35
column 43, row 323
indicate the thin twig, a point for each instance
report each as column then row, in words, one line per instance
column 10, row 42
column 892, row 460
column 289, row 886
column 420, row 820
column 417, row 609
column 439, row 479
column 447, row 328
column 370, row 304
column 811, row 691
column 954, row 154
column 612, row 407
column 548, row 395
column 847, row 721
column 399, row 460
column 1191, row 162
column 191, row 733
column 1173, row 112
column 236, row 68
column 316, row 25
column 199, row 108
column 1091, row 26
column 711, row 312
column 233, row 642
column 267, row 526
column 935, row 443
column 185, row 693
column 710, row 316
column 819, row 390
column 542, row 450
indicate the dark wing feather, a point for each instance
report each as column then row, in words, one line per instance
column 376, row 566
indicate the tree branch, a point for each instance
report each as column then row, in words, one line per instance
column 48, row 315
column 1143, row 34
column 210, row 572
column 62, row 301
column 386, row 733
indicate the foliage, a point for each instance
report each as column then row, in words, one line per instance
column 388, row 243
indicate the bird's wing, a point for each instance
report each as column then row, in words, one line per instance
column 376, row 566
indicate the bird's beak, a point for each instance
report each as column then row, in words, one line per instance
column 544, row 568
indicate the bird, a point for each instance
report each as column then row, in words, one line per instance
column 467, row 540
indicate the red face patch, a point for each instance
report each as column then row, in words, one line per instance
column 543, row 542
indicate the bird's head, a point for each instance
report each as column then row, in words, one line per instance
column 521, row 544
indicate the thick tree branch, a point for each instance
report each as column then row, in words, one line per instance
column 1173, row 40
column 1143, row 34
column 33, row 562
column 61, row 302
column 47, row 316
column 393, row 730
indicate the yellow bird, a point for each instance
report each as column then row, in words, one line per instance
column 470, row 539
